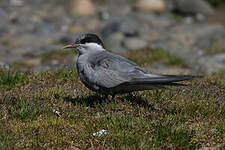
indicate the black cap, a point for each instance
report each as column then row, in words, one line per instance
column 88, row 38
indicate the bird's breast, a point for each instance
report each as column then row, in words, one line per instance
column 85, row 72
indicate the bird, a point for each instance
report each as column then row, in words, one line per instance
column 110, row 74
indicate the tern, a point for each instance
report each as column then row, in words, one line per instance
column 110, row 74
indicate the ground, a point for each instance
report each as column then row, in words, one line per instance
column 53, row 110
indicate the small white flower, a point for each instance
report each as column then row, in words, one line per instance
column 100, row 133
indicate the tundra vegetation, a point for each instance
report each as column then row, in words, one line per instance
column 53, row 110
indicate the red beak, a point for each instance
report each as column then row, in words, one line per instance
column 70, row 46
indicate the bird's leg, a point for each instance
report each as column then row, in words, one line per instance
column 106, row 96
column 130, row 94
column 113, row 96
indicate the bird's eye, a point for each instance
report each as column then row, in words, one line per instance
column 82, row 41
column 77, row 42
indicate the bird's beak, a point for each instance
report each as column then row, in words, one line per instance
column 70, row 46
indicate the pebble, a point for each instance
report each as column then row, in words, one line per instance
column 193, row 7
column 114, row 42
column 151, row 5
column 104, row 15
column 212, row 64
column 65, row 39
column 134, row 43
column 124, row 24
column 16, row 2
column 82, row 8
column 32, row 62
column 4, row 65
column 75, row 29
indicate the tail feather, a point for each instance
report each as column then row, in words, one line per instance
column 140, row 84
column 163, row 79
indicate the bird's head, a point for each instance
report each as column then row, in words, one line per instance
column 86, row 43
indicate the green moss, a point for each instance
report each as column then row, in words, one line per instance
column 9, row 78
column 214, row 51
column 217, row 46
column 177, row 17
column 19, row 65
column 148, row 55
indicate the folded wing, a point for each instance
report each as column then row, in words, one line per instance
column 118, row 73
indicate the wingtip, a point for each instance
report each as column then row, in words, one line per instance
column 196, row 77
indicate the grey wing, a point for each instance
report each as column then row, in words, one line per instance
column 110, row 70
column 113, row 71
column 140, row 84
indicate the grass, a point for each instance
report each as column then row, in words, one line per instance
column 57, row 55
column 149, row 55
column 218, row 46
column 53, row 110
column 9, row 78
column 177, row 17
column 215, row 51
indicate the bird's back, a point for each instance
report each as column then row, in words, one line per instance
column 104, row 71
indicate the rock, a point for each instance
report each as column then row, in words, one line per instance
column 218, row 44
column 32, row 62
column 193, row 7
column 14, row 18
column 65, row 39
column 50, row 47
column 126, row 10
column 2, row 12
column 212, row 64
column 151, row 5
column 154, row 21
column 185, row 40
column 152, row 36
column 134, row 43
column 200, row 17
column 16, row 2
column 82, row 8
column 104, row 15
column 75, row 29
column 114, row 42
column 54, row 62
column 197, row 35
column 209, row 36
column 188, row 20
column 4, row 29
column 4, row 65
column 41, row 68
column 127, row 25
column 43, row 27
column 92, row 24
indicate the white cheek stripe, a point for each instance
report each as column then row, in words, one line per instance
column 93, row 45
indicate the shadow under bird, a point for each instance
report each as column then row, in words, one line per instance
column 111, row 74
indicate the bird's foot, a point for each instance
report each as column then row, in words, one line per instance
column 113, row 96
